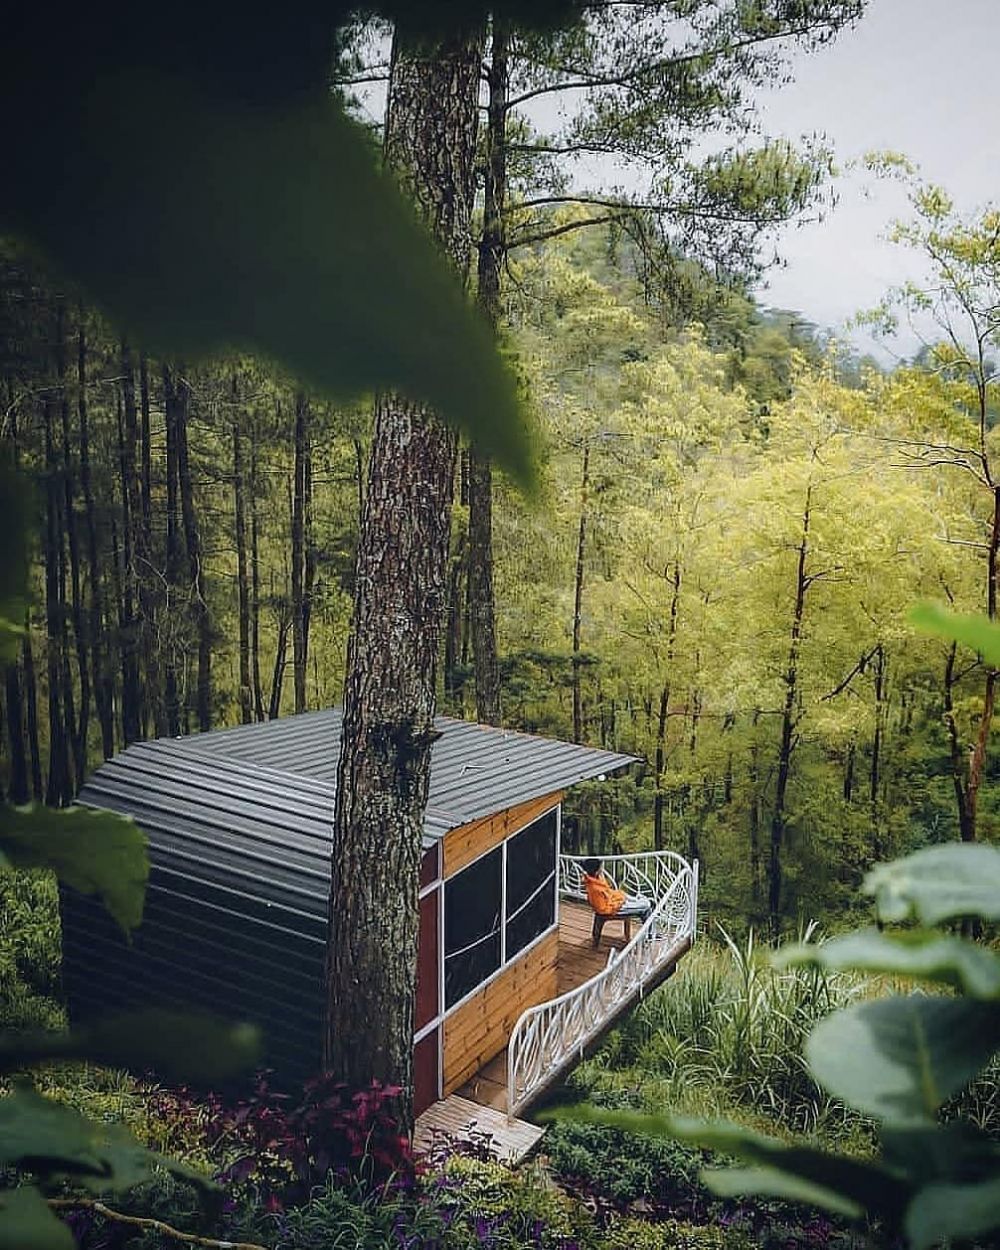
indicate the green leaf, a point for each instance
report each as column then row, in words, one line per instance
column 927, row 955
column 736, row 1182
column 901, row 1059
column 953, row 1212
column 176, row 1045
column 57, row 1143
column 939, row 883
column 28, row 1223
column 854, row 1183
column 93, row 851
column 932, row 1154
column 295, row 246
column 974, row 631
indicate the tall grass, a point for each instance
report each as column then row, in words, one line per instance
column 725, row 1035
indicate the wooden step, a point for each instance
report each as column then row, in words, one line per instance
column 462, row 1120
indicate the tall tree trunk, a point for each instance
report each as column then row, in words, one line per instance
column 875, row 776
column 258, row 693
column 80, row 730
column 196, row 571
column 174, row 397
column 299, row 491
column 492, row 250
column 280, row 663
column 147, row 447
column 57, row 786
column 242, row 581
column 19, row 792
column 103, row 681
column 453, row 626
column 400, row 595
column 131, row 684
column 31, row 704
column 788, row 724
column 661, row 721
column 581, row 551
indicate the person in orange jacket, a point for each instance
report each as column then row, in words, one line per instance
column 605, row 899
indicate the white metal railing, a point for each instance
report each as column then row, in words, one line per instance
column 547, row 1038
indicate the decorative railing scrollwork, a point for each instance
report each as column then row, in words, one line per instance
column 549, row 1037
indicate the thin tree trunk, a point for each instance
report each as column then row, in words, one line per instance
column 453, row 626
column 875, row 775
column 492, row 251
column 131, row 685
column 299, row 550
column 242, row 581
column 80, row 730
column 174, row 396
column 661, row 722
column 196, row 572
column 280, row 663
column 258, row 694
column 581, row 550
column 57, row 785
column 788, row 723
column 19, row 792
column 400, row 599
column 103, row 681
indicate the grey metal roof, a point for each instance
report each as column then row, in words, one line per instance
column 476, row 770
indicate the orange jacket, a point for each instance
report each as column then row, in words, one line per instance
column 602, row 897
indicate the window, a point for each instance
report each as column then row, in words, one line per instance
column 499, row 905
column 472, row 930
column 531, row 884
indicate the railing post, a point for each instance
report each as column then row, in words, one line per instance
column 693, row 919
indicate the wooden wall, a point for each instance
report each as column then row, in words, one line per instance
column 479, row 1029
column 468, row 842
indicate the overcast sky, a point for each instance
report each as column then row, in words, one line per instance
column 916, row 76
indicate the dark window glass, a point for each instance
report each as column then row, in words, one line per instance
column 533, row 919
column 531, row 895
column 472, row 926
column 531, row 857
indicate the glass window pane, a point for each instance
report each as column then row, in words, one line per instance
column 531, row 857
column 533, row 919
column 472, row 926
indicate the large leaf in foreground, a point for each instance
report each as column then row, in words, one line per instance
column 269, row 229
column 925, row 955
column 939, row 883
column 28, row 1223
column 95, row 852
column 901, row 1059
column 180, row 1046
column 973, row 630
column 953, row 1213
column 798, row 1173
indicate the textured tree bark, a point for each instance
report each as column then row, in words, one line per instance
column 492, row 251
column 581, row 551
column 788, row 722
column 400, row 593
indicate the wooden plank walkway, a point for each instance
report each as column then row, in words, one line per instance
column 460, row 1118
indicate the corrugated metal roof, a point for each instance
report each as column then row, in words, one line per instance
column 476, row 770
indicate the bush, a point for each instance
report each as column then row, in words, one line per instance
column 30, row 951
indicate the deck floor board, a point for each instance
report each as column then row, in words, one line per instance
column 458, row 1117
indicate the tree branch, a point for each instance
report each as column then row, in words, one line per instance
column 192, row 1239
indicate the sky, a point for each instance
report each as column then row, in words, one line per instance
column 914, row 76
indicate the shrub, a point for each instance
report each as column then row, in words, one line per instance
column 30, row 951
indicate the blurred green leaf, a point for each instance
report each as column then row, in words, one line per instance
column 180, row 1046
column 901, row 1059
column 847, row 1185
column 270, row 230
column 953, row 1213
column 926, row 955
column 96, row 852
column 772, row 1183
column 972, row 630
column 939, row 883
column 27, row 1222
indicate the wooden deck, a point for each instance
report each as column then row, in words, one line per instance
column 458, row 1117
column 578, row 962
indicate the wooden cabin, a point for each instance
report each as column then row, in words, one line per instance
column 239, row 823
